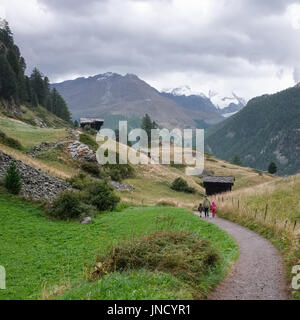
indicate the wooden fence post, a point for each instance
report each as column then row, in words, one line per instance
column 295, row 226
column 255, row 213
column 266, row 211
column 286, row 221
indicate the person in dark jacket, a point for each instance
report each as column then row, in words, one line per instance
column 206, row 205
column 200, row 209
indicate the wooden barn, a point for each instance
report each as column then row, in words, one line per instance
column 214, row 185
column 94, row 123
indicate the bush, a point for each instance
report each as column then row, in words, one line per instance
column 181, row 254
column 12, row 180
column 89, row 130
column 272, row 169
column 101, row 195
column 80, row 181
column 166, row 203
column 10, row 142
column 181, row 185
column 91, row 168
column 68, row 205
column 89, row 141
column 119, row 172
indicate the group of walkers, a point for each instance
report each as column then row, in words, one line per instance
column 206, row 206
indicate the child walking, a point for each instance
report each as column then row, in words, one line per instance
column 213, row 209
column 200, row 209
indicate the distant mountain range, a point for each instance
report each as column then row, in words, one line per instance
column 114, row 96
column 267, row 129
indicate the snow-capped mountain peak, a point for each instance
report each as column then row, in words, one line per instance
column 184, row 91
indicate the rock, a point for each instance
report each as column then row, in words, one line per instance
column 81, row 152
column 120, row 187
column 86, row 220
column 35, row 183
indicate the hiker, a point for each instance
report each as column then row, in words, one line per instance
column 213, row 209
column 206, row 205
column 200, row 209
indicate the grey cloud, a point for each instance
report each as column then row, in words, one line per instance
column 296, row 74
column 90, row 37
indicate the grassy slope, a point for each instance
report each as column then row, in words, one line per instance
column 30, row 115
column 282, row 197
column 30, row 135
column 152, row 182
column 38, row 252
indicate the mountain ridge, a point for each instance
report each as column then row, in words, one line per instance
column 111, row 94
column 266, row 130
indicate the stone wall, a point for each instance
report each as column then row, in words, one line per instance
column 35, row 182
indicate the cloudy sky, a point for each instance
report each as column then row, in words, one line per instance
column 250, row 47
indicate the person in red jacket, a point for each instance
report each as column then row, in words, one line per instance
column 213, row 209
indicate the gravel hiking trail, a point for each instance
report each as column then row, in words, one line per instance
column 258, row 274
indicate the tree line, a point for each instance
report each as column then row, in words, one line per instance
column 31, row 90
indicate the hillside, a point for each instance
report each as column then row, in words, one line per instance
column 198, row 107
column 151, row 183
column 112, row 94
column 267, row 129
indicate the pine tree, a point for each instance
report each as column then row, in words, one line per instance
column 76, row 124
column 148, row 125
column 38, row 86
column 8, row 83
column 12, row 180
column 272, row 169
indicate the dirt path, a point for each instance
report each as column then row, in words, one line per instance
column 258, row 274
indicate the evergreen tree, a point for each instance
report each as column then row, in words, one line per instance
column 34, row 90
column 59, row 106
column 148, row 125
column 12, row 180
column 8, row 84
column 6, row 35
column 38, row 86
column 76, row 124
column 272, row 168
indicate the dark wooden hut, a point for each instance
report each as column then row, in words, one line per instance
column 214, row 185
column 94, row 123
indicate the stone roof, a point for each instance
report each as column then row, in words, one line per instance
column 215, row 179
column 90, row 120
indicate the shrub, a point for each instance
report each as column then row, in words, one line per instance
column 181, row 185
column 80, row 181
column 10, row 142
column 68, row 205
column 89, row 141
column 89, row 130
column 12, row 180
column 181, row 254
column 272, row 169
column 91, row 168
column 101, row 195
column 166, row 203
column 119, row 172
